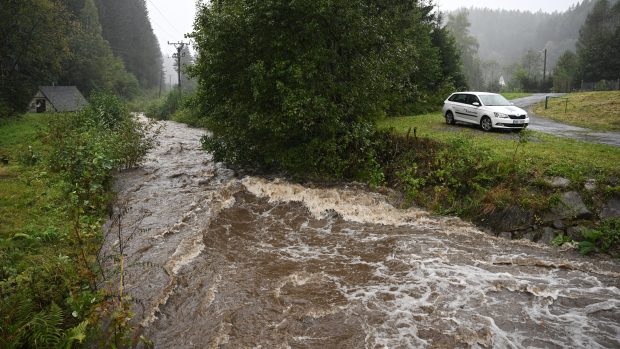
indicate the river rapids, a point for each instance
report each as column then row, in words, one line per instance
column 218, row 261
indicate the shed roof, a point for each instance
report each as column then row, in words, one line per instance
column 64, row 98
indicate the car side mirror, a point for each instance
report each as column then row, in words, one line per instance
column 476, row 104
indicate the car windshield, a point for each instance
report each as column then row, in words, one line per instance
column 494, row 100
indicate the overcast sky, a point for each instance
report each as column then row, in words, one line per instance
column 171, row 19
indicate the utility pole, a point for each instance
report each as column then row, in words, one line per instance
column 179, row 47
column 545, row 69
column 161, row 80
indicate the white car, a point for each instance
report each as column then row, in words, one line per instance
column 489, row 110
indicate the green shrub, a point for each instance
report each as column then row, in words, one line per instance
column 604, row 239
column 88, row 145
column 163, row 108
column 48, row 287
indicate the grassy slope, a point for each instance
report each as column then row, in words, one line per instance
column 515, row 95
column 594, row 110
column 546, row 154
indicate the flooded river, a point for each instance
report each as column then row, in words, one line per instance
column 217, row 261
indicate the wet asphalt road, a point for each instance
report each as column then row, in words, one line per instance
column 541, row 124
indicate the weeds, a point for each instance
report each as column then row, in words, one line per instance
column 604, row 239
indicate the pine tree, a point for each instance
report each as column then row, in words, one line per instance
column 126, row 26
column 598, row 45
column 91, row 64
column 565, row 72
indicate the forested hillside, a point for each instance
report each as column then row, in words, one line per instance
column 75, row 42
column 505, row 36
column 504, row 49
column 127, row 28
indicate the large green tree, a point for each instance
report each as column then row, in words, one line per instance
column 565, row 72
column 297, row 85
column 599, row 42
column 33, row 45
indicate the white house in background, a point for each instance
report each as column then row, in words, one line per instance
column 502, row 82
column 57, row 99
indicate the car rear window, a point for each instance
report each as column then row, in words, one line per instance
column 458, row 98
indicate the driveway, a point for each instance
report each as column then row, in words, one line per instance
column 541, row 124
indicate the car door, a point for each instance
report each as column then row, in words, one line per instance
column 474, row 113
column 458, row 105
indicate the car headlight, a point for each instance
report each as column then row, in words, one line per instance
column 501, row 116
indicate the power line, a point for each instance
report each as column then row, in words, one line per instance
column 166, row 19
column 179, row 47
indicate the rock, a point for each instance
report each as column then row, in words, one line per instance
column 558, row 224
column 611, row 209
column 570, row 206
column 548, row 235
column 575, row 233
column 590, row 185
column 505, row 235
column 510, row 219
column 530, row 235
column 557, row 182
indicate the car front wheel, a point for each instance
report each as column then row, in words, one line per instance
column 486, row 124
column 450, row 118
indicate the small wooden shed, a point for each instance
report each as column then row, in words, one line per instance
column 57, row 99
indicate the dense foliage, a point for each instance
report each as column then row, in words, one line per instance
column 599, row 42
column 297, row 86
column 566, row 72
column 32, row 47
column 45, row 42
column 49, row 272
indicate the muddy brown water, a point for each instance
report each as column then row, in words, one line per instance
column 216, row 261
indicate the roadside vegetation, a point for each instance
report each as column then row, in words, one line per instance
column 463, row 171
column 55, row 188
column 506, row 163
column 594, row 110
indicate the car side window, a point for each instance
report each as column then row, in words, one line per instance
column 460, row 98
column 471, row 99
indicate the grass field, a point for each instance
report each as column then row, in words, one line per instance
column 546, row 154
column 30, row 198
column 593, row 110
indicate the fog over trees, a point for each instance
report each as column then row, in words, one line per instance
column 512, row 43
